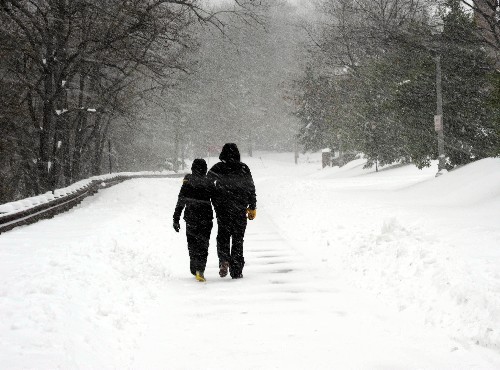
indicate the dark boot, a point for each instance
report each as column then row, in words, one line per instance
column 223, row 268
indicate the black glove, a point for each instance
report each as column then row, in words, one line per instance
column 177, row 226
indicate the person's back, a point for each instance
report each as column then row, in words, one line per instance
column 234, row 186
column 234, row 198
column 194, row 198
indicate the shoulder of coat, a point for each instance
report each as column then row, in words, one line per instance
column 216, row 166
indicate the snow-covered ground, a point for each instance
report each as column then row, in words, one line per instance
column 346, row 268
column 27, row 203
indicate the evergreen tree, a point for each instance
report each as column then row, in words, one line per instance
column 383, row 103
column 469, row 116
column 494, row 103
column 380, row 136
column 316, row 112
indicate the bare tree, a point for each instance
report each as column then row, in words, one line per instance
column 79, row 65
column 487, row 16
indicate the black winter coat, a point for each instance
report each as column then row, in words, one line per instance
column 234, row 187
column 195, row 195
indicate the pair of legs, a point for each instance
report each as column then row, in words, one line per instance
column 231, row 226
column 198, row 239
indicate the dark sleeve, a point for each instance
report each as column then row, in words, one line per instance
column 210, row 187
column 181, row 200
column 212, row 177
column 213, row 174
column 252, row 197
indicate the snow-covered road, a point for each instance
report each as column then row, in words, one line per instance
column 342, row 272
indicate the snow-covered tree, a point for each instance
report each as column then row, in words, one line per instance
column 390, row 85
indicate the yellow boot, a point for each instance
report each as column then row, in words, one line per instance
column 199, row 276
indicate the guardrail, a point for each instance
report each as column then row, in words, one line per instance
column 64, row 202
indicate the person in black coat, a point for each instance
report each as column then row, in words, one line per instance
column 195, row 196
column 234, row 200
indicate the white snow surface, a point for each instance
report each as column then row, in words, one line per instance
column 27, row 203
column 345, row 268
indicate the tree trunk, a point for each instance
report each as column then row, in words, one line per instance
column 183, row 155
column 250, row 144
column 46, row 134
column 80, row 126
column 176, row 151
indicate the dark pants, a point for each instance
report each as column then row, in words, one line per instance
column 198, row 238
column 231, row 226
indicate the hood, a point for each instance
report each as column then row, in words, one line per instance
column 199, row 167
column 229, row 153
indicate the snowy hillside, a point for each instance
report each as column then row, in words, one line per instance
column 427, row 245
column 345, row 268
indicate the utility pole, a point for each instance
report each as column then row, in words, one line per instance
column 438, row 118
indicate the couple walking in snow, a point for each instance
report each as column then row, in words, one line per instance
column 230, row 188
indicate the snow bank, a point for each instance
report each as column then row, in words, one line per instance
column 428, row 246
column 27, row 203
column 475, row 183
column 75, row 289
column 422, row 274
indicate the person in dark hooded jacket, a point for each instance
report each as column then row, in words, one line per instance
column 234, row 200
column 195, row 196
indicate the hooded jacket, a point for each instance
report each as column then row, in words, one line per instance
column 234, row 186
column 195, row 195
